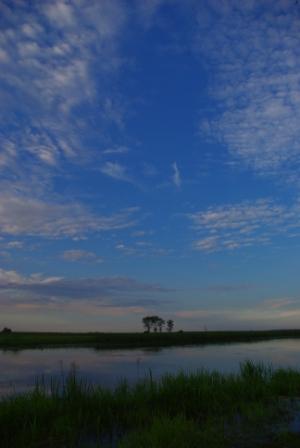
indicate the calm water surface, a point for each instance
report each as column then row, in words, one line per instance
column 19, row 370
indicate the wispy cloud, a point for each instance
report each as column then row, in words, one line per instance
column 229, row 227
column 15, row 245
column 116, row 171
column 275, row 313
column 228, row 288
column 116, row 150
column 208, row 244
column 81, row 255
column 20, row 215
column 253, row 48
column 284, row 302
column 105, row 291
column 13, row 278
column 142, row 249
column 176, row 177
column 55, row 57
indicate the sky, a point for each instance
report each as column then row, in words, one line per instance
column 149, row 164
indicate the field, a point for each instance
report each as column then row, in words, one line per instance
column 19, row 340
column 253, row 408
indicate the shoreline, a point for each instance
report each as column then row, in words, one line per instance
column 99, row 340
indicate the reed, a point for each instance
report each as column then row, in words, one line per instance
column 206, row 409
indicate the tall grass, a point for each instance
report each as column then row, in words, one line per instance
column 184, row 410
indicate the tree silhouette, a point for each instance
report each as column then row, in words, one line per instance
column 147, row 323
column 156, row 323
column 151, row 323
column 170, row 325
column 160, row 324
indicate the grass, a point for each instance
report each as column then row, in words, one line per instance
column 21, row 340
column 203, row 409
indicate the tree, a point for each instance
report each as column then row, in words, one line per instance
column 160, row 324
column 147, row 323
column 170, row 325
column 155, row 322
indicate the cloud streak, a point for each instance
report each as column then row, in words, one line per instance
column 116, row 171
column 176, row 178
column 275, row 313
column 81, row 255
column 17, row 289
column 21, row 215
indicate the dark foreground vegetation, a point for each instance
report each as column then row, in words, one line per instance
column 254, row 408
column 16, row 340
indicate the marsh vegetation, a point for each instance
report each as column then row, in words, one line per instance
column 205, row 409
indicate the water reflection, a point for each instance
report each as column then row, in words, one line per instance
column 19, row 369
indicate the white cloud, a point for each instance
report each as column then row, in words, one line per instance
column 232, row 226
column 20, row 215
column 60, row 13
column 142, row 248
column 116, row 150
column 7, row 277
column 81, row 255
column 116, row 171
column 14, row 278
column 3, row 56
column 253, row 48
column 16, row 289
column 61, row 53
column 15, row 245
column 176, row 178
column 126, row 249
column 208, row 244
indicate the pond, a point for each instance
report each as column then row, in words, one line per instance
column 19, row 369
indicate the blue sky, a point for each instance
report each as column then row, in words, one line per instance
column 149, row 160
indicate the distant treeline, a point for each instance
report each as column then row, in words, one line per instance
column 19, row 340
column 156, row 323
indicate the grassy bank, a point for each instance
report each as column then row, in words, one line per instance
column 249, row 409
column 20, row 340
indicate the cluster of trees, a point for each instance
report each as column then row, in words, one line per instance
column 156, row 323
